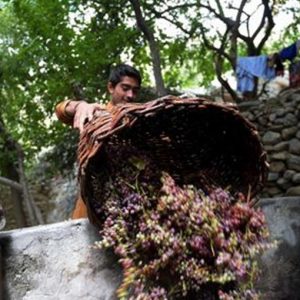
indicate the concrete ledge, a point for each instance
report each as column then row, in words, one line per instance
column 57, row 262
column 280, row 279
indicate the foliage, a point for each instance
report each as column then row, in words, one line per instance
column 52, row 50
column 289, row 34
column 176, row 242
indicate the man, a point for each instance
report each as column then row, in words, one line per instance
column 123, row 86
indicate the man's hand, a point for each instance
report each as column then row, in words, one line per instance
column 84, row 112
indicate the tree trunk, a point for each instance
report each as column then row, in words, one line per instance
column 16, row 198
column 10, row 145
column 35, row 215
column 154, row 49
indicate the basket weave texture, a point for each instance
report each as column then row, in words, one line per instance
column 195, row 140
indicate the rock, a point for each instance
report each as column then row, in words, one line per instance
column 296, row 178
column 288, row 174
column 280, row 155
column 280, row 112
column 248, row 104
column 287, row 133
column 277, row 167
column 273, row 176
column 272, row 117
column 296, row 98
column 277, row 128
column 293, row 191
column 269, row 148
column 272, row 191
column 281, row 146
column 283, row 183
column 248, row 115
column 295, row 146
column 293, row 162
column 271, row 138
column 263, row 121
column 290, row 119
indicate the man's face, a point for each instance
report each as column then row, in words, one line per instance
column 125, row 91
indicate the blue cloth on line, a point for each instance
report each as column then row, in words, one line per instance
column 249, row 67
column 289, row 52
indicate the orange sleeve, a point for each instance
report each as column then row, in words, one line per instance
column 80, row 210
column 61, row 114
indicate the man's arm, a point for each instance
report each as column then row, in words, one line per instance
column 76, row 113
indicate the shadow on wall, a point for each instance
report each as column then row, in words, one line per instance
column 280, row 278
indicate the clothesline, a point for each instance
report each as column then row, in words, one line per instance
column 262, row 66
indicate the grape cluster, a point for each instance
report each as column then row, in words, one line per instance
column 177, row 242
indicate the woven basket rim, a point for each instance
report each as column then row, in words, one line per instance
column 125, row 116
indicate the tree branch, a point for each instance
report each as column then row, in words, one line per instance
column 270, row 24
column 154, row 49
column 13, row 184
column 174, row 8
column 211, row 46
column 177, row 24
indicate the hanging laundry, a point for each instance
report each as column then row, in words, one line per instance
column 290, row 52
column 274, row 61
column 294, row 74
column 248, row 68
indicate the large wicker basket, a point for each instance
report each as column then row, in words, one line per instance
column 195, row 140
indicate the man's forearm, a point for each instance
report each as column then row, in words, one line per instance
column 66, row 110
column 77, row 113
column 70, row 108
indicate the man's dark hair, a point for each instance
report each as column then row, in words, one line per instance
column 122, row 70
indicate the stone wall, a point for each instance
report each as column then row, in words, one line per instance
column 277, row 120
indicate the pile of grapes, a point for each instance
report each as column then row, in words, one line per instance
column 176, row 242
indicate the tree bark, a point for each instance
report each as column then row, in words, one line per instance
column 154, row 49
column 34, row 214
column 12, row 184
column 224, row 83
column 16, row 197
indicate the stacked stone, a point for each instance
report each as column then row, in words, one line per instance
column 277, row 121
